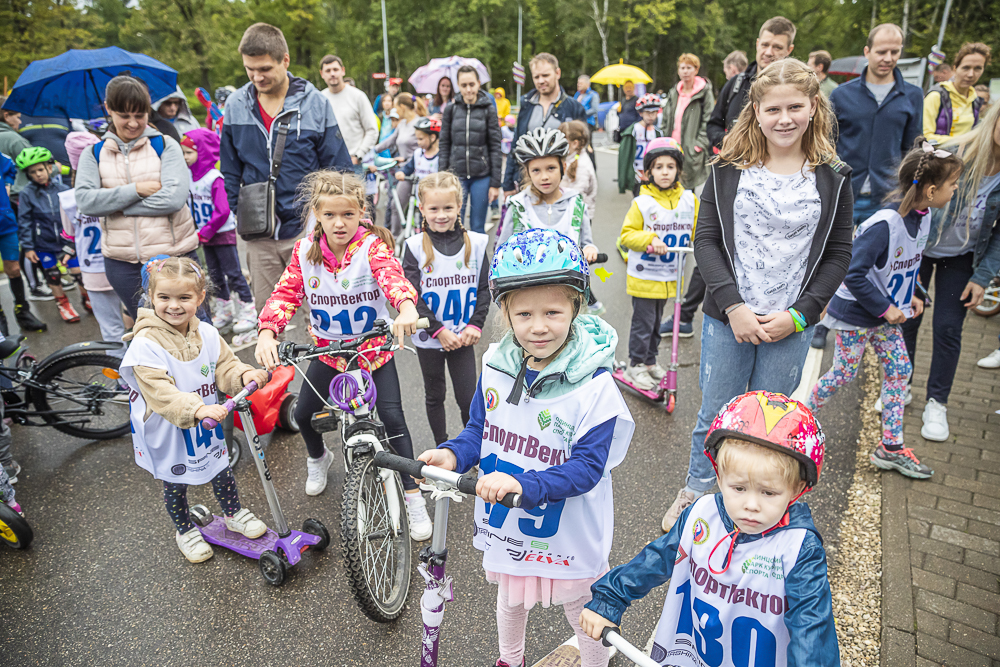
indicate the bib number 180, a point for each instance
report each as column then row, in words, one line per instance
column 752, row 644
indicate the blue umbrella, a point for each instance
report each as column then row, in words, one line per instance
column 72, row 85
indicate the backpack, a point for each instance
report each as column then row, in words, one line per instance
column 156, row 142
column 946, row 113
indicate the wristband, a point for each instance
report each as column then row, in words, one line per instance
column 798, row 319
column 732, row 308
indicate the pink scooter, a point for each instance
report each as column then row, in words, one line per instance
column 666, row 391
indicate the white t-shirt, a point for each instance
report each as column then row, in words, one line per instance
column 955, row 240
column 355, row 117
column 774, row 219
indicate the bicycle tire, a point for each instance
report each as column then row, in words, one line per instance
column 380, row 601
column 54, row 373
column 988, row 308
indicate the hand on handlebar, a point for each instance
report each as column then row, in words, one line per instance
column 590, row 253
column 216, row 412
column 441, row 458
column 266, row 353
column 593, row 624
column 657, row 247
column 496, row 485
column 257, row 375
column 406, row 323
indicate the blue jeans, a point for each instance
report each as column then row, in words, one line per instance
column 729, row 369
column 477, row 192
column 864, row 208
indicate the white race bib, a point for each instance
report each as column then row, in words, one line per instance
column 202, row 206
column 673, row 227
column 86, row 232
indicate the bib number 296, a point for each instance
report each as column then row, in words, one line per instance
column 671, row 240
column 549, row 515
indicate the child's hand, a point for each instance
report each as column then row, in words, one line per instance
column 255, row 375
column 918, row 306
column 894, row 315
column 470, row 336
column 441, row 458
column 372, row 168
column 593, row 624
column 590, row 253
column 266, row 353
column 657, row 247
column 495, row 486
column 406, row 322
column 32, row 255
column 777, row 325
column 449, row 341
column 746, row 327
column 400, row 176
column 216, row 412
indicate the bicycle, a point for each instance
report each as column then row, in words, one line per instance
column 410, row 223
column 76, row 390
column 374, row 532
column 991, row 300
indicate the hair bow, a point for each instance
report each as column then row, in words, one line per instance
column 927, row 147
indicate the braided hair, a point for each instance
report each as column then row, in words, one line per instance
column 444, row 181
column 919, row 169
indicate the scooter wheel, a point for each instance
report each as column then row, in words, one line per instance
column 286, row 415
column 200, row 515
column 14, row 530
column 314, row 527
column 671, row 404
column 272, row 567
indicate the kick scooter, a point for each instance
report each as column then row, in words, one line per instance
column 666, row 391
column 278, row 550
column 14, row 530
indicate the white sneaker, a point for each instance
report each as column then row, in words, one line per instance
column 318, row 468
column 222, row 313
column 245, row 338
column 992, row 361
column 656, row 372
column 246, row 524
column 639, row 377
column 194, row 547
column 416, row 513
column 907, row 399
column 935, row 422
column 246, row 317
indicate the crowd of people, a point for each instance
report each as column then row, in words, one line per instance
column 811, row 208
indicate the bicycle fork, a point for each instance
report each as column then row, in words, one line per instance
column 439, row 587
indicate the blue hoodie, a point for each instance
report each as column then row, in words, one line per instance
column 314, row 142
column 39, row 222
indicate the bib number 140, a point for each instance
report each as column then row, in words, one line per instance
column 549, row 515
column 753, row 645
column 202, row 437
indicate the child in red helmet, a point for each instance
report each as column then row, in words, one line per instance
column 747, row 569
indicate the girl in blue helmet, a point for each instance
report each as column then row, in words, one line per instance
column 546, row 422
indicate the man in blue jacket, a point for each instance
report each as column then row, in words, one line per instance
column 545, row 106
column 589, row 99
column 254, row 114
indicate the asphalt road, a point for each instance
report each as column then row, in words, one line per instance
column 104, row 583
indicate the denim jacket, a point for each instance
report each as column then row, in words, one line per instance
column 986, row 260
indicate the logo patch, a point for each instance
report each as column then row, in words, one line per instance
column 345, row 283
column 539, row 545
column 178, row 469
column 492, row 399
column 314, row 282
column 769, row 567
column 544, row 419
column 204, row 370
column 681, row 554
column 429, row 269
column 700, row 531
column 899, row 252
column 458, row 264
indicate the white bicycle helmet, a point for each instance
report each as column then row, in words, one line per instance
column 541, row 142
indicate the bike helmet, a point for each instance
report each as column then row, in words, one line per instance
column 648, row 102
column 774, row 421
column 538, row 257
column 222, row 94
column 663, row 146
column 428, row 125
column 98, row 126
column 540, row 142
column 32, row 156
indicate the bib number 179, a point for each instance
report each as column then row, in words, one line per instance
column 549, row 515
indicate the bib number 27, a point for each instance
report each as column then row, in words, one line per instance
column 549, row 515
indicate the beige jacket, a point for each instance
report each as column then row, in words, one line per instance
column 156, row 385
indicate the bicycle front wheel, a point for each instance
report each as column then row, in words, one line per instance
column 81, row 396
column 376, row 554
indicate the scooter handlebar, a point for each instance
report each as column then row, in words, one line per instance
column 611, row 636
column 208, row 423
column 418, row 470
column 602, row 257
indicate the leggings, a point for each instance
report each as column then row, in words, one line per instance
column 175, row 498
column 223, row 263
column 462, row 368
column 887, row 340
column 513, row 619
column 389, row 404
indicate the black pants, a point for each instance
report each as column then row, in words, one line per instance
column 951, row 275
column 644, row 337
column 126, row 281
column 694, row 295
column 389, row 404
column 462, row 369
column 224, row 270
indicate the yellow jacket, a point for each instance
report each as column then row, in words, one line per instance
column 961, row 109
column 634, row 236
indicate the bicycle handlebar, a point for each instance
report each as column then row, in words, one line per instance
column 418, row 470
column 602, row 257
column 611, row 636
column 288, row 350
column 208, row 423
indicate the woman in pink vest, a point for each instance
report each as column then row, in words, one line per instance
column 136, row 180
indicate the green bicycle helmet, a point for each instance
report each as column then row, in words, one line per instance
column 538, row 257
column 32, row 156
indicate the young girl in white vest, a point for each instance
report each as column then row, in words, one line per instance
column 346, row 271
column 425, row 159
column 746, row 566
column 448, row 267
column 547, row 422
column 880, row 293
column 661, row 216
column 173, row 366
column 216, row 225
column 543, row 203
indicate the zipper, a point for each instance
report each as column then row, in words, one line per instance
column 836, row 201
column 468, row 160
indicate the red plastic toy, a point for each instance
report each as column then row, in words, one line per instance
column 273, row 405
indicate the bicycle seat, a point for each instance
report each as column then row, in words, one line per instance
column 10, row 346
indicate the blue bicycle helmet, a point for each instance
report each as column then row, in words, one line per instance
column 538, row 257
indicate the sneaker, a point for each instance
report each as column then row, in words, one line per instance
column 935, row 422
column 27, row 320
column 819, row 337
column 68, row 283
column 902, row 460
column 246, row 524
column 222, row 313
column 639, row 377
column 318, row 468
column 597, row 308
column 683, row 499
column 416, row 512
column 992, row 361
column 40, row 293
column 67, row 311
column 501, row 663
column 656, row 372
column 246, row 317
column 685, row 330
column 907, row 399
column 194, row 547
column 14, row 505
column 245, row 338
column 490, row 224
column 12, row 471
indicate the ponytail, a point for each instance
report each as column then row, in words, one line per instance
column 381, row 232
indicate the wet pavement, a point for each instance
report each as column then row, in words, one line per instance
column 104, row 583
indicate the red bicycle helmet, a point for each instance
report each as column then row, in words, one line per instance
column 648, row 102
column 774, row 421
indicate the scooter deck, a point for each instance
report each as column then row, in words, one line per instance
column 566, row 654
column 292, row 546
column 652, row 396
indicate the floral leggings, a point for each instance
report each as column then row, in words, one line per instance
column 887, row 340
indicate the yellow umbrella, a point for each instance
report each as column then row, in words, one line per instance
column 620, row 73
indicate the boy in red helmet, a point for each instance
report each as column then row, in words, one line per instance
column 747, row 569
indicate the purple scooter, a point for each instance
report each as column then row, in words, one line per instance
column 666, row 390
column 275, row 551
